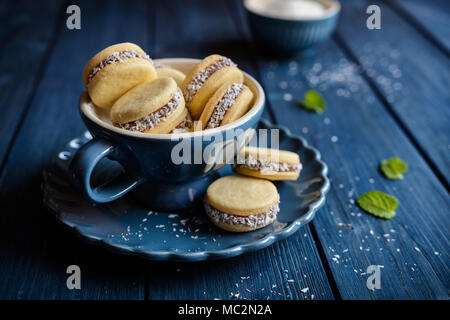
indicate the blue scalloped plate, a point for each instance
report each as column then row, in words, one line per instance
column 127, row 227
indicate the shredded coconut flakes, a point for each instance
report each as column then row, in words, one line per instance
column 264, row 165
column 117, row 57
column 252, row 220
column 224, row 104
column 200, row 77
column 154, row 118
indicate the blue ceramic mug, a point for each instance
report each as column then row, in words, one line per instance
column 168, row 171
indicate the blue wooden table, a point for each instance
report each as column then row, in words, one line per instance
column 388, row 95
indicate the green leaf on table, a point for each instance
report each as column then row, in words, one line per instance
column 379, row 204
column 393, row 168
column 313, row 101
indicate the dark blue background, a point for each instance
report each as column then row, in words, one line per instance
column 387, row 95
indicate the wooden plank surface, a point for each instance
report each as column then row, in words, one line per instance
column 259, row 275
column 35, row 249
column 26, row 35
column 33, row 270
column 411, row 74
column 432, row 16
column 361, row 127
column 354, row 135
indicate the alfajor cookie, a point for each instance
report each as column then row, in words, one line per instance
column 240, row 204
column 230, row 102
column 151, row 107
column 115, row 70
column 165, row 71
column 205, row 78
column 271, row 164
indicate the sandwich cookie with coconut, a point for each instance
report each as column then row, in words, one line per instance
column 241, row 204
column 230, row 102
column 151, row 107
column 115, row 70
column 204, row 80
column 271, row 164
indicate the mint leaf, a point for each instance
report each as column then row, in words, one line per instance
column 378, row 204
column 313, row 101
column 393, row 168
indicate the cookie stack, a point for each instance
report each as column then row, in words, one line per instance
column 150, row 97
column 250, row 201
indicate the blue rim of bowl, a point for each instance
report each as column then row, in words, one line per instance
column 216, row 254
column 326, row 16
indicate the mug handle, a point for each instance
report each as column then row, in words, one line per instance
column 84, row 162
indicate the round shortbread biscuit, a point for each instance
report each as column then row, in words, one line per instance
column 242, row 196
column 148, row 98
column 175, row 74
column 102, row 55
column 268, row 155
column 112, row 80
column 143, row 100
column 239, row 107
column 226, row 74
column 241, row 204
column 210, row 86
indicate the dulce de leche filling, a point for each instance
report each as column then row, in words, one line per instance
column 264, row 165
column 153, row 119
column 224, row 104
column 200, row 77
column 117, row 57
column 254, row 220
